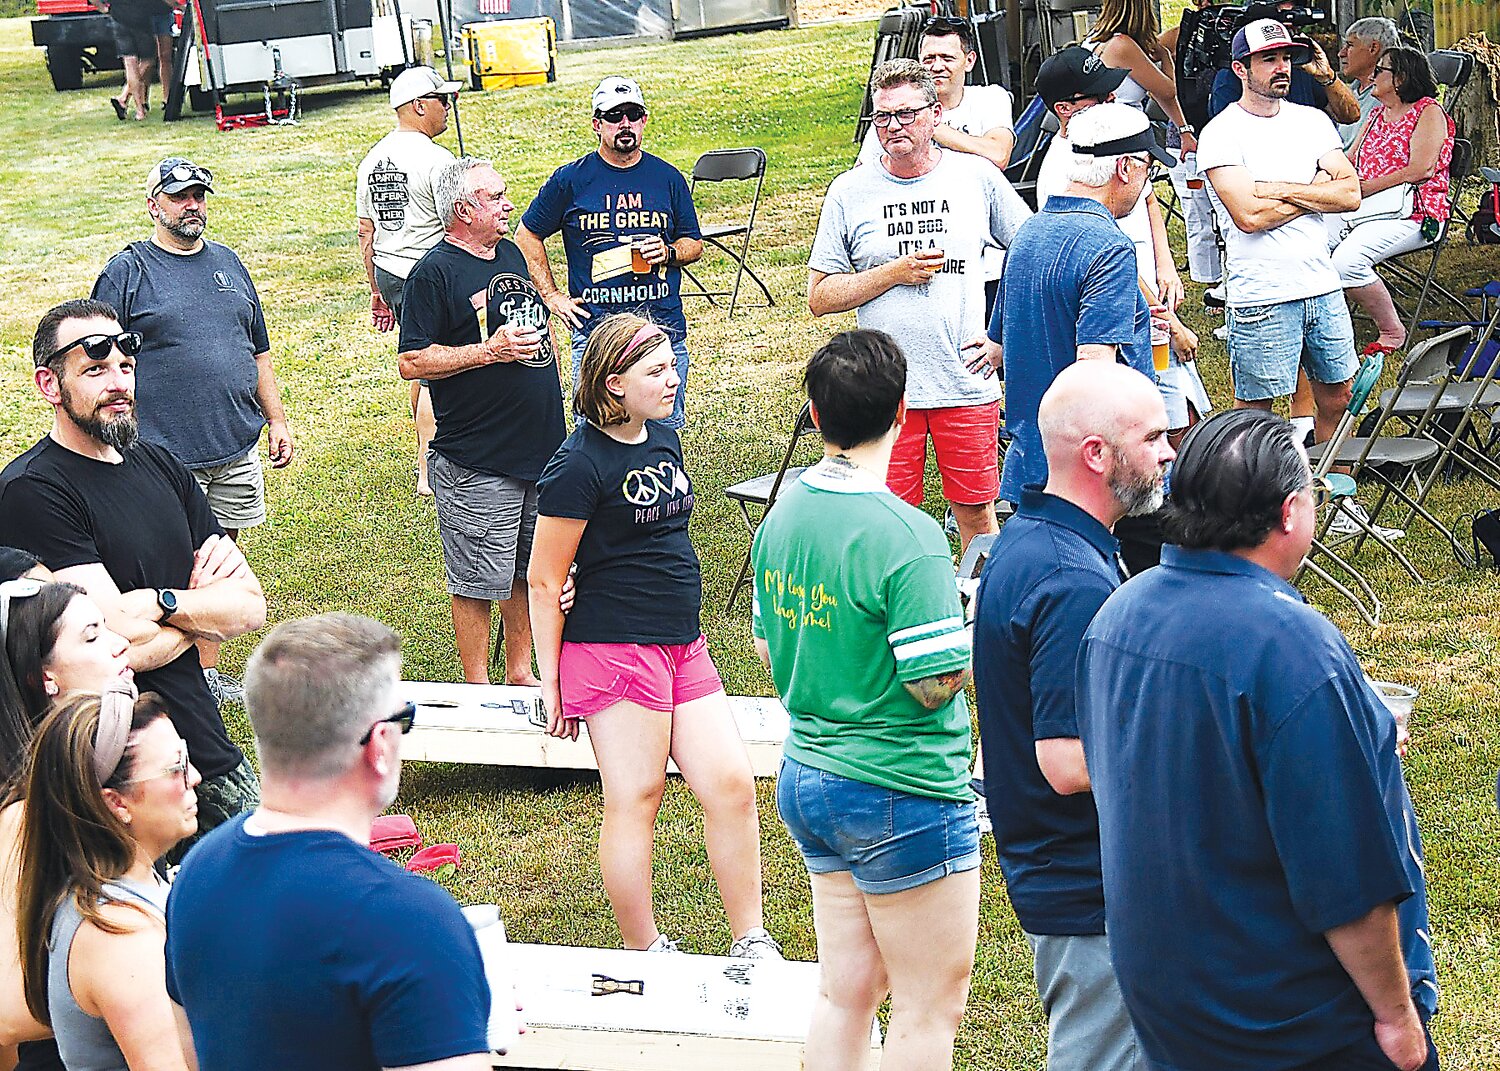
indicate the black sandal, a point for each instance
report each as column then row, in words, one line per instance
column 119, row 109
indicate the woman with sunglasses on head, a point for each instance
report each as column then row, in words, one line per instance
column 631, row 659
column 109, row 790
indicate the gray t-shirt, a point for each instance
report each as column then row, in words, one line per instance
column 870, row 218
column 196, row 376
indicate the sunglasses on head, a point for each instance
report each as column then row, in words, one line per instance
column 403, row 717
column 186, row 173
column 944, row 22
column 97, row 347
column 11, row 590
column 633, row 112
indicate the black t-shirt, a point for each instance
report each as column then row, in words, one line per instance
column 638, row 578
column 136, row 14
column 504, row 419
column 142, row 519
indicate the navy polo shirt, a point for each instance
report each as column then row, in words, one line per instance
column 1052, row 568
column 1250, row 799
column 1070, row 280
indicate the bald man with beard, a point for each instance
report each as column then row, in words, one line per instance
column 1104, row 432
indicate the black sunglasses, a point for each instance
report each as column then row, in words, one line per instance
column 445, row 99
column 634, row 112
column 403, row 717
column 945, row 22
column 97, row 347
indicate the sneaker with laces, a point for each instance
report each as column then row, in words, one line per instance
column 1346, row 525
column 756, row 944
column 223, row 687
column 663, row 943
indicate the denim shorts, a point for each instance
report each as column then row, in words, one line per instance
column 888, row 841
column 1268, row 342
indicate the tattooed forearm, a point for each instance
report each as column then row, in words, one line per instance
column 933, row 692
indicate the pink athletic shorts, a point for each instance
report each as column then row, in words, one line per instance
column 966, row 441
column 662, row 677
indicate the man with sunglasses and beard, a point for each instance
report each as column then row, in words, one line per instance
column 123, row 519
column 628, row 227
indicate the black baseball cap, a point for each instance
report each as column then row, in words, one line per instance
column 1076, row 72
column 174, row 174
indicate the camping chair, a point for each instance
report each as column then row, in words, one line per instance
column 1034, row 132
column 725, row 165
column 1339, row 489
column 762, row 491
column 1405, row 466
column 1404, row 280
column 1451, row 70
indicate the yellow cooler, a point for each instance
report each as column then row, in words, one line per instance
column 513, row 52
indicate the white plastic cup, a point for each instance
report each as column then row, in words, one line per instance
column 1400, row 700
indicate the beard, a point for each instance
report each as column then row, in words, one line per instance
column 625, row 141
column 120, row 433
column 1140, row 493
column 188, row 228
column 1274, row 89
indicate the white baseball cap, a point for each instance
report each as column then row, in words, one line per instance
column 417, row 82
column 614, row 91
column 1267, row 35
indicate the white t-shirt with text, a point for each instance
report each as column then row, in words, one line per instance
column 395, row 192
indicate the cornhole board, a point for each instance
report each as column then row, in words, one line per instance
column 502, row 725
column 691, row 1012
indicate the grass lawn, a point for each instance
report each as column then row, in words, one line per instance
column 346, row 532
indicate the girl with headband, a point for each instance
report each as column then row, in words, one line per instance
column 631, row 659
column 109, row 790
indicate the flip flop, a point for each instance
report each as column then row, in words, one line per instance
column 439, row 860
column 119, row 109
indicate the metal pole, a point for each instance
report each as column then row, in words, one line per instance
column 448, row 35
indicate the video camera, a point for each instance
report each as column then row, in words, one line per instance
column 1294, row 17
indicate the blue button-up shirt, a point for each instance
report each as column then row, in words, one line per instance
column 1070, row 280
column 1250, row 799
column 1052, row 568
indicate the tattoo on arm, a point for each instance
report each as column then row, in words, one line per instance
column 933, row 692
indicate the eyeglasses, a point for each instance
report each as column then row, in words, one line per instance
column 179, row 768
column 185, row 173
column 97, row 347
column 622, row 112
column 445, row 99
column 11, row 590
column 403, row 717
column 905, row 117
column 1387, row 70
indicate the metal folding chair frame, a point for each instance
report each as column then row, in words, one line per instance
column 720, row 165
column 1402, row 280
column 748, row 493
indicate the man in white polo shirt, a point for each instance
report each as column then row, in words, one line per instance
column 1274, row 168
column 397, row 219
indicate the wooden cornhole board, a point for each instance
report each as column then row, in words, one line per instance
column 693, row 1013
column 498, row 725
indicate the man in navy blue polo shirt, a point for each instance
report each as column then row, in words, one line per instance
column 1261, row 858
column 1070, row 290
column 1104, row 429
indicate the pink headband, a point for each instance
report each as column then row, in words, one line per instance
column 116, row 711
column 647, row 331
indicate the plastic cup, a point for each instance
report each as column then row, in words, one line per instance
column 1400, row 700
column 1194, row 176
column 1161, row 344
column 638, row 262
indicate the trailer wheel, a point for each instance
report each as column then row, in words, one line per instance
column 65, row 65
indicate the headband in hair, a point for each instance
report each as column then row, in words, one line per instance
column 647, row 332
column 116, row 711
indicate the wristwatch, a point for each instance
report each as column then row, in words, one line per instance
column 166, row 599
column 1188, row 128
column 671, row 254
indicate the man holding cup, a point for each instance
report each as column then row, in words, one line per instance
column 900, row 242
column 628, row 227
column 474, row 327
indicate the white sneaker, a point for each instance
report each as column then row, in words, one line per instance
column 1345, row 525
column 1222, row 332
column 756, row 944
column 663, row 943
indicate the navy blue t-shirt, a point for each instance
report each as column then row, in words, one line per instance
column 638, row 579
column 1052, row 568
column 598, row 207
column 308, row 952
column 1228, row 87
column 1070, row 280
column 505, row 419
column 1250, row 799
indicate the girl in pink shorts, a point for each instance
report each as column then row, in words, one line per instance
column 631, row 657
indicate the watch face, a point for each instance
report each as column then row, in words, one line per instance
column 167, row 600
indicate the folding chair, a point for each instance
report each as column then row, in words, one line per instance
column 1404, row 280
column 1034, row 133
column 1451, row 69
column 762, row 491
column 731, row 165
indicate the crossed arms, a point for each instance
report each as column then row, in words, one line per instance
column 1263, row 206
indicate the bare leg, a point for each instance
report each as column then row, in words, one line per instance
column 1302, row 398
column 973, row 521
column 134, row 90
column 1375, row 299
column 471, row 631
column 926, row 937
column 851, row 976
column 1258, row 403
column 707, row 748
column 1331, row 400
column 164, row 62
column 421, row 411
column 630, row 745
column 515, row 625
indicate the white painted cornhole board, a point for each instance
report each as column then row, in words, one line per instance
column 492, row 725
column 693, row 1013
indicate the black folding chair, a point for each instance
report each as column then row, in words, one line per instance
column 732, row 239
column 1405, row 281
column 762, row 491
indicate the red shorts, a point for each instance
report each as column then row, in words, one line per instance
column 966, row 440
column 593, row 676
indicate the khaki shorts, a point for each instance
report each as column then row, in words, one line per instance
column 236, row 491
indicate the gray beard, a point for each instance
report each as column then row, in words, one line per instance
column 120, row 434
column 189, row 230
column 1140, row 496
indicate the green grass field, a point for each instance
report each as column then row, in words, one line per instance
column 346, row 532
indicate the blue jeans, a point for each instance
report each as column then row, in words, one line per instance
column 678, row 419
column 888, row 841
column 1268, row 342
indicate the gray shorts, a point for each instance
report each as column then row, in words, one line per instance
column 1088, row 1026
column 236, row 491
column 485, row 523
